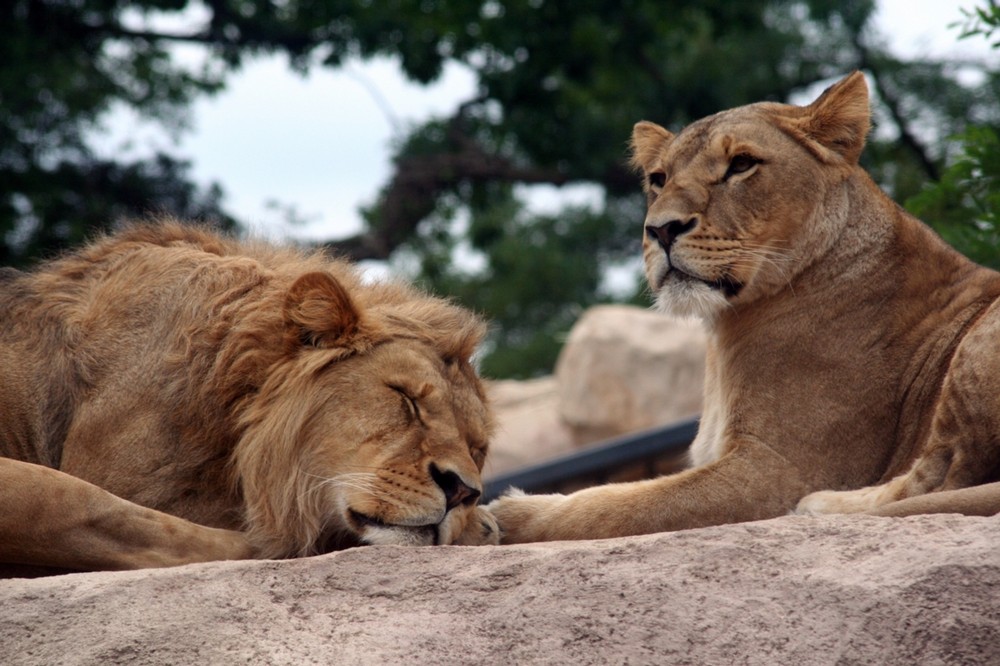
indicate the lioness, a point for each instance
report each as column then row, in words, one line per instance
column 170, row 396
column 849, row 345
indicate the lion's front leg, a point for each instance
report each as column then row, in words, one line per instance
column 49, row 518
column 750, row 482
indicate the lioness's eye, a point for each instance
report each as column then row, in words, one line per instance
column 657, row 180
column 740, row 164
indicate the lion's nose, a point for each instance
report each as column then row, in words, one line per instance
column 666, row 234
column 455, row 490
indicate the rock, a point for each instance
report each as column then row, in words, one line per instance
column 794, row 590
column 625, row 369
column 622, row 369
column 528, row 425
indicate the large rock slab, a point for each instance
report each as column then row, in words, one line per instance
column 795, row 590
column 529, row 429
column 624, row 369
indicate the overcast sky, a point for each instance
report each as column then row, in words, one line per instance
column 322, row 142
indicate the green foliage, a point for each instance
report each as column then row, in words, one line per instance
column 560, row 83
column 540, row 272
column 982, row 21
column 62, row 65
column 73, row 199
column 964, row 204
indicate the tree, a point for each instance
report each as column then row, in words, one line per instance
column 560, row 84
column 964, row 204
column 61, row 67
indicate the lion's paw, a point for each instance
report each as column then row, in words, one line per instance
column 480, row 530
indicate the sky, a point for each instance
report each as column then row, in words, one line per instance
column 322, row 142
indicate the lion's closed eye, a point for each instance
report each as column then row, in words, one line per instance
column 478, row 455
column 409, row 403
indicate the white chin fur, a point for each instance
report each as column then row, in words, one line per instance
column 398, row 536
column 690, row 299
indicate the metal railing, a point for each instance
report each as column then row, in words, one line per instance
column 598, row 463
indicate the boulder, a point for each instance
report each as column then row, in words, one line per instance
column 529, row 429
column 625, row 368
column 622, row 369
column 794, row 590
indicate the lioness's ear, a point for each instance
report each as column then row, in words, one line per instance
column 319, row 312
column 840, row 118
column 648, row 141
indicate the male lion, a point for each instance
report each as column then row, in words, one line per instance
column 849, row 345
column 172, row 396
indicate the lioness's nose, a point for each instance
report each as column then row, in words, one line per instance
column 455, row 490
column 666, row 234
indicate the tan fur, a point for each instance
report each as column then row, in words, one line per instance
column 849, row 346
column 206, row 398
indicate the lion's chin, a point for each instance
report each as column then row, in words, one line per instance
column 376, row 532
column 400, row 536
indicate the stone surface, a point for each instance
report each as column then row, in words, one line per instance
column 529, row 429
column 795, row 590
column 622, row 369
column 626, row 368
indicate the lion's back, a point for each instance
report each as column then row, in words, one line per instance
column 143, row 359
column 167, row 310
column 150, row 308
column 148, row 276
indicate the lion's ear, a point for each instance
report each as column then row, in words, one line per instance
column 319, row 312
column 648, row 141
column 840, row 118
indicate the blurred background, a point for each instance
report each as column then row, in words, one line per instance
column 477, row 146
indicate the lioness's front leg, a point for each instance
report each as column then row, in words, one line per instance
column 750, row 482
column 48, row 518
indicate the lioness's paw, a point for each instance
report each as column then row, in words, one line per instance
column 481, row 530
column 838, row 501
column 522, row 517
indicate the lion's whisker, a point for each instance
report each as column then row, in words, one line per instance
column 363, row 481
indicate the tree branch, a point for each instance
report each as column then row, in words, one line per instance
column 419, row 180
column 894, row 105
column 124, row 33
column 213, row 34
column 416, row 185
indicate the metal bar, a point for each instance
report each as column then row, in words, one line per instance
column 602, row 458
